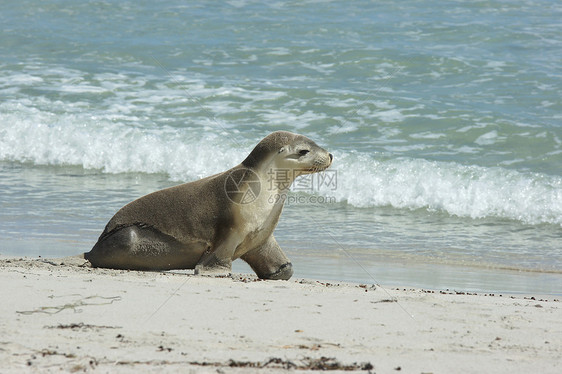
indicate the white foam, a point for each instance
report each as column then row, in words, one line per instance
column 29, row 135
column 496, row 65
column 342, row 129
column 279, row 51
column 24, row 79
column 320, row 68
column 487, row 138
column 282, row 118
column 73, row 138
column 391, row 115
column 465, row 191
column 82, row 88
column 118, row 135
column 428, row 135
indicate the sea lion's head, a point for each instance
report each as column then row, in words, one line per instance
column 282, row 150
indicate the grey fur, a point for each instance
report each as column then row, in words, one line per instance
column 197, row 225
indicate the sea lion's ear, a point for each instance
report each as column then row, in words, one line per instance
column 282, row 149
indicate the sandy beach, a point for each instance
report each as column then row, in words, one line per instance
column 58, row 316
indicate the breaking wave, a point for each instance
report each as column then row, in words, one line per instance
column 28, row 134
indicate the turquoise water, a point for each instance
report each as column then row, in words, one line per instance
column 444, row 119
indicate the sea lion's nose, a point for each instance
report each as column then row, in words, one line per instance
column 331, row 157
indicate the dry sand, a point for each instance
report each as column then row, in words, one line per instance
column 58, row 316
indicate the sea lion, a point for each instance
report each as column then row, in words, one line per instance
column 206, row 224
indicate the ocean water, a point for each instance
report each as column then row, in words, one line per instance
column 445, row 120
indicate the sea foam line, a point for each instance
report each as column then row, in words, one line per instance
column 31, row 135
column 460, row 190
column 112, row 147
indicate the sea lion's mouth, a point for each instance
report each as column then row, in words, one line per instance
column 315, row 169
column 319, row 166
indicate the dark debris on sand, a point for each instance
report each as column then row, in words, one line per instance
column 307, row 363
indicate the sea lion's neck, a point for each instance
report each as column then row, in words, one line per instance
column 275, row 179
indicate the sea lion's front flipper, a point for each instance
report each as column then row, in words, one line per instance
column 218, row 261
column 269, row 261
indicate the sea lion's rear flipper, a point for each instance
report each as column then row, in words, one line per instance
column 141, row 247
column 269, row 261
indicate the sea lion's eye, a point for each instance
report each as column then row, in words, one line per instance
column 303, row 152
